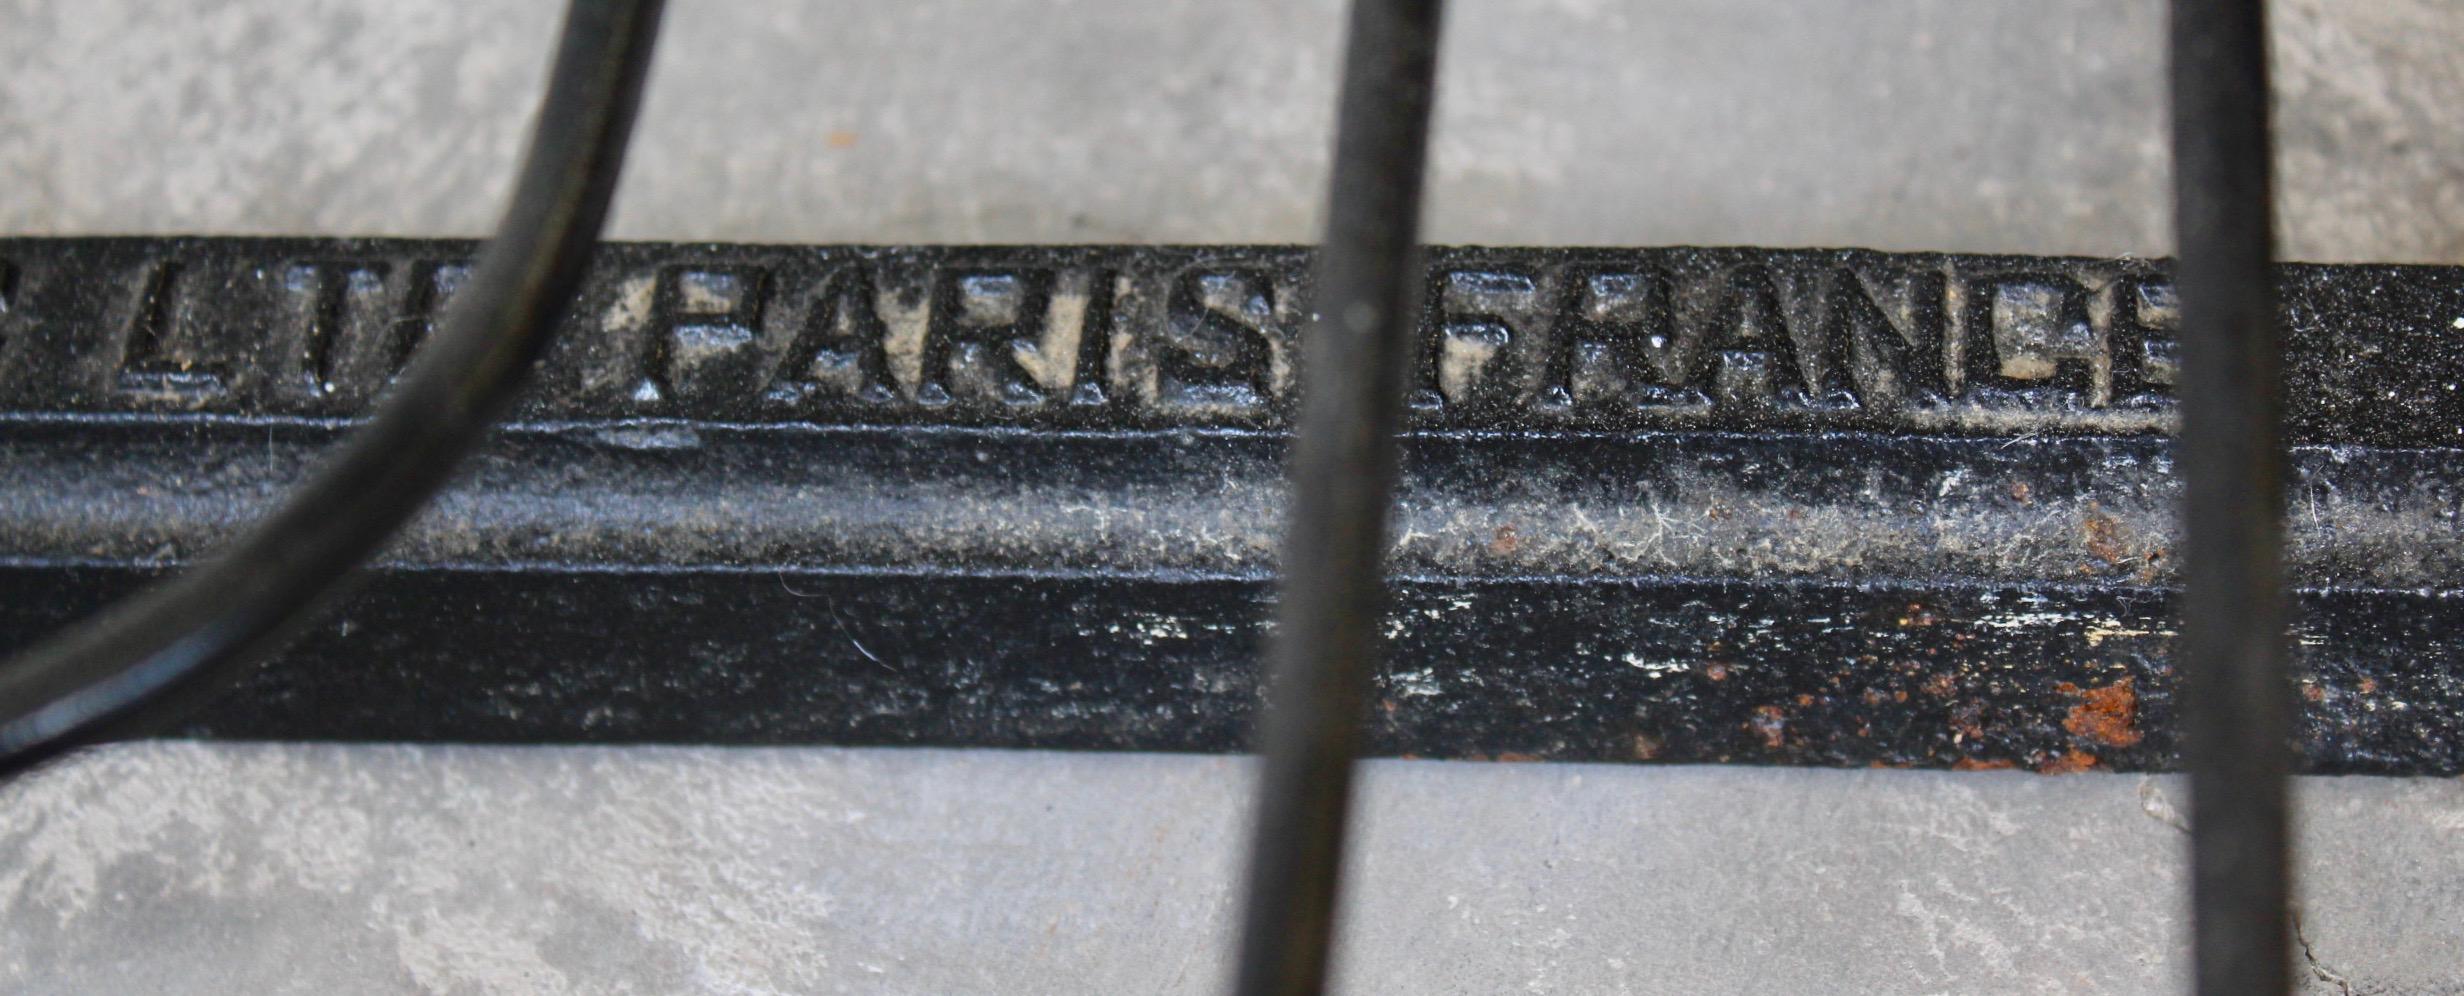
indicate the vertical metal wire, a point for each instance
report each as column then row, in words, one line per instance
column 1343, row 472
column 2237, row 699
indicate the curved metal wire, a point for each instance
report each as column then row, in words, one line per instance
column 1344, row 459
column 171, row 646
column 2237, row 699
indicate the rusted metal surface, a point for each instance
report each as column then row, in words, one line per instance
column 1812, row 507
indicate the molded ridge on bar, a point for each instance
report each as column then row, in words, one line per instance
column 1794, row 507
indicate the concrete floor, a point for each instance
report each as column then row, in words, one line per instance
column 1999, row 125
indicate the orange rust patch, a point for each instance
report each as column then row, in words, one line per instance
column 1940, row 686
column 1979, row 764
column 2070, row 763
column 2108, row 715
column 841, row 139
column 2019, row 490
column 1511, row 757
column 1772, row 723
column 1505, row 540
column 1716, row 671
column 2313, row 693
column 2369, row 686
column 2101, row 536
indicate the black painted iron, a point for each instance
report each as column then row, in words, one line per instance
column 732, row 508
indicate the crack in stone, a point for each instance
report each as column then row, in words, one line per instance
column 2152, row 801
column 2318, row 968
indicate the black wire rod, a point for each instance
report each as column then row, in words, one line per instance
column 1343, row 469
column 147, row 659
column 2238, row 701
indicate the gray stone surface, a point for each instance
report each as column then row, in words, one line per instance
column 1995, row 125
column 318, row 869
column 310, row 870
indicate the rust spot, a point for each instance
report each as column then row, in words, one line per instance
column 1716, row 671
column 1804, row 700
column 1968, row 722
column 1917, row 616
column 2101, row 536
column 841, row 139
column 2070, row 763
column 1900, row 695
column 2311, row 692
column 1504, row 541
column 2019, row 490
column 1940, row 686
column 1771, row 723
column 1980, row 764
column 2369, row 686
column 2151, row 566
column 2108, row 715
column 1646, row 747
column 1510, row 757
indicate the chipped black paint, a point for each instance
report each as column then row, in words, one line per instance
column 1662, row 506
column 1621, row 671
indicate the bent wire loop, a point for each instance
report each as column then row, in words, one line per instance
column 163, row 650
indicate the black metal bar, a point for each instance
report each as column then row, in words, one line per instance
column 1344, row 463
column 1979, row 574
column 2238, row 699
column 171, row 647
